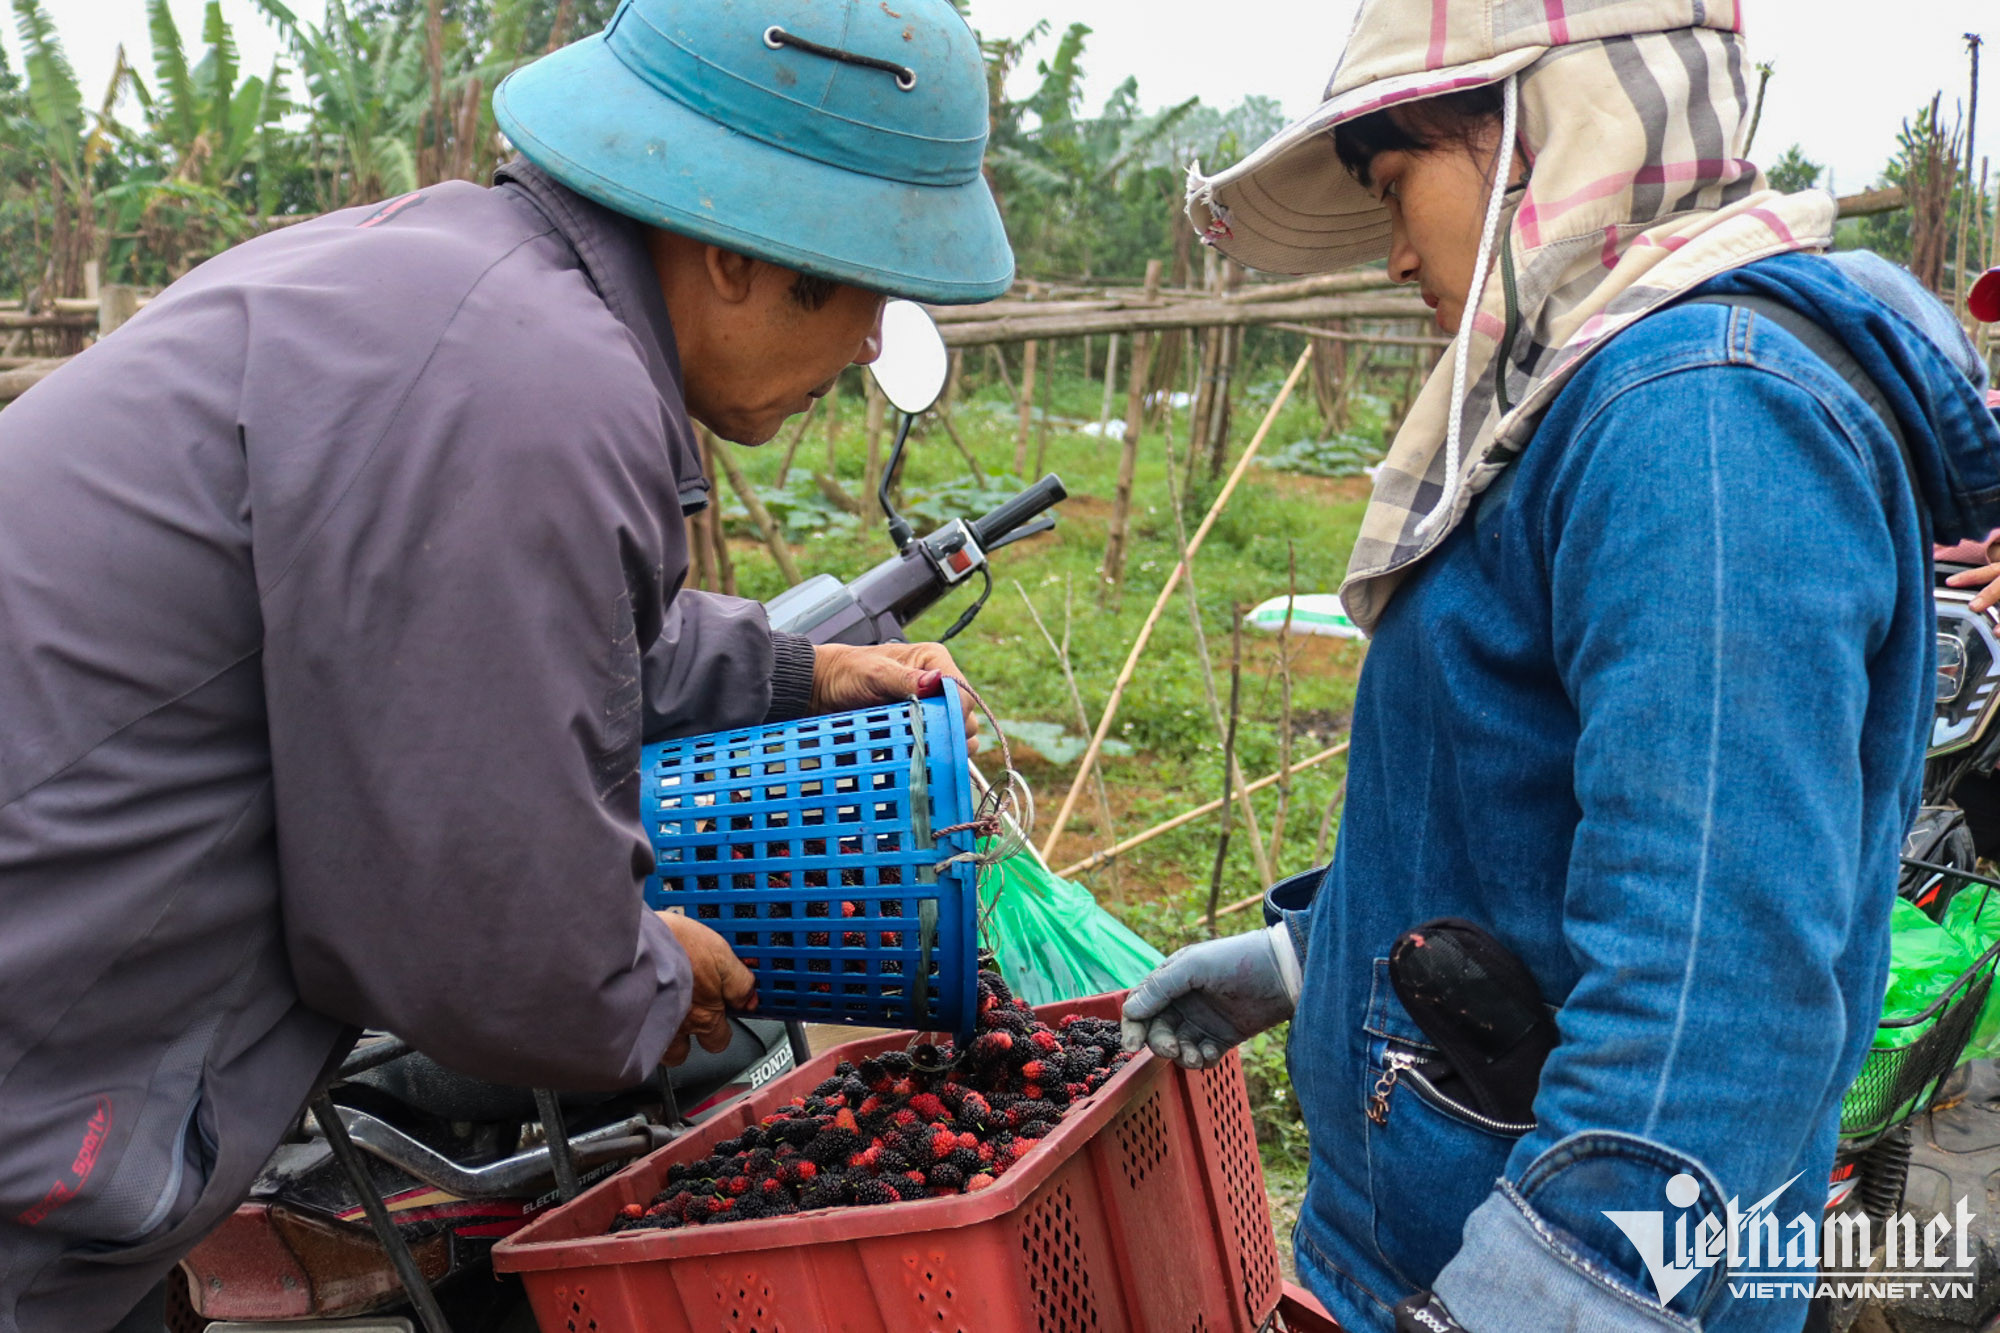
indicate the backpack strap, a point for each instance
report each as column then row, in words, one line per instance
column 1834, row 353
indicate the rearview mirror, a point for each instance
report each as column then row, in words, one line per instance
column 912, row 367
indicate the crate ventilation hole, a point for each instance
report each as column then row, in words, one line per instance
column 934, row 1288
column 1142, row 1141
column 1242, row 1176
column 1054, row 1250
column 747, row 1307
column 577, row 1312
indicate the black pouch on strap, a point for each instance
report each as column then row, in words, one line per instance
column 1479, row 1005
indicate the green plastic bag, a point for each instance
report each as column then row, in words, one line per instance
column 1051, row 939
column 1973, row 919
column 1924, row 960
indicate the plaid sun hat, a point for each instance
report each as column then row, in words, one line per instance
column 1632, row 116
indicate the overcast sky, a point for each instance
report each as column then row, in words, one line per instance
column 1847, row 73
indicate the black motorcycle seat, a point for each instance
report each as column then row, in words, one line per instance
column 423, row 1084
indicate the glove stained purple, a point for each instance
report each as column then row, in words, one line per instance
column 1214, row 995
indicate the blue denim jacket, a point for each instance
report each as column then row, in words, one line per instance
column 1654, row 716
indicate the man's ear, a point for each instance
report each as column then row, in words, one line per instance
column 732, row 275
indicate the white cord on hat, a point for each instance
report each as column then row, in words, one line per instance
column 1462, row 361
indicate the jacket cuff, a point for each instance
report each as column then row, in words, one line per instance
column 1289, row 902
column 1515, row 1271
column 791, row 676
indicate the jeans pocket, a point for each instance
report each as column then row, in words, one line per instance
column 1431, row 1161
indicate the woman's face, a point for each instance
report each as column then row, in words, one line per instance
column 1436, row 199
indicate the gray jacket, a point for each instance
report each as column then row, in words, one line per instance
column 337, row 591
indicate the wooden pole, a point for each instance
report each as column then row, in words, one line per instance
column 1757, row 114
column 1061, row 651
column 1344, row 336
column 832, row 404
column 1178, row 498
column 54, row 319
column 999, row 364
column 878, row 416
column 835, row 494
column 951, row 380
column 1160, row 603
column 1172, row 291
column 1027, row 407
column 1211, row 313
column 1285, row 703
column 1992, row 259
column 1219, row 402
column 1228, row 759
column 15, row 382
column 1096, row 859
column 1202, row 407
column 1326, row 823
column 116, row 303
column 760, row 516
column 1027, row 399
column 1966, row 205
column 1110, row 385
column 700, row 549
column 1042, row 426
column 792, row 446
column 1867, row 203
column 1225, row 375
column 1117, row 538
column 725, row 568
column 944, row 419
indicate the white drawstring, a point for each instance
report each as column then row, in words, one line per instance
column 1461, row 362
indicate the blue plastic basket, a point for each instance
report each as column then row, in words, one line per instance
column 809, row 846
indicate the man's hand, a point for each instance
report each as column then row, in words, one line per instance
column 721, row 983
column 845, row 676
column 1986, row 578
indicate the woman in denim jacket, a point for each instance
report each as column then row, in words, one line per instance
column 1666, row 769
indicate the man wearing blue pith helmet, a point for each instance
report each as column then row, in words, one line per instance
column 339, row 589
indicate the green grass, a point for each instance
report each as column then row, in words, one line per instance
column 1160, row 889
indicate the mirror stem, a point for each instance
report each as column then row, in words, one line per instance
column 900, row 531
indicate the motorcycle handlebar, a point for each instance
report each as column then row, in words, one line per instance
column 1044, row 494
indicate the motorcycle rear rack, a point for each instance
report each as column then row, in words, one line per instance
column 1897, row 1083
column 350, row 1132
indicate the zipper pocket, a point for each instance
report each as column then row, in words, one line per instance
column 1399, row 1067
column 1394, row 1065
column 1430, row 1092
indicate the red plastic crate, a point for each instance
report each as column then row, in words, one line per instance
column 1144, row 1211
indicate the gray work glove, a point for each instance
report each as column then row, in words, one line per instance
column 1211, row 996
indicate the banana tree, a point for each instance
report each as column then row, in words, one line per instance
column 212, row 127
column 404, row 87
column 454, row 132
column 62, row 148
column 366, row 84
column 1083, row 189
column 195, row 183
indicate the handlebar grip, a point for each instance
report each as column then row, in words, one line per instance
column 1044, row 494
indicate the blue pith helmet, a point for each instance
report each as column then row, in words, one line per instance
column 841, row 138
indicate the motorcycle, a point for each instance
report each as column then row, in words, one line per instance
column 380, row 1209
column 1932, row 1118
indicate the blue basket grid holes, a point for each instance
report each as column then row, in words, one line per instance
column 763, row 832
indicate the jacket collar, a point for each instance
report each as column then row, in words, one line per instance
column 612, row 250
